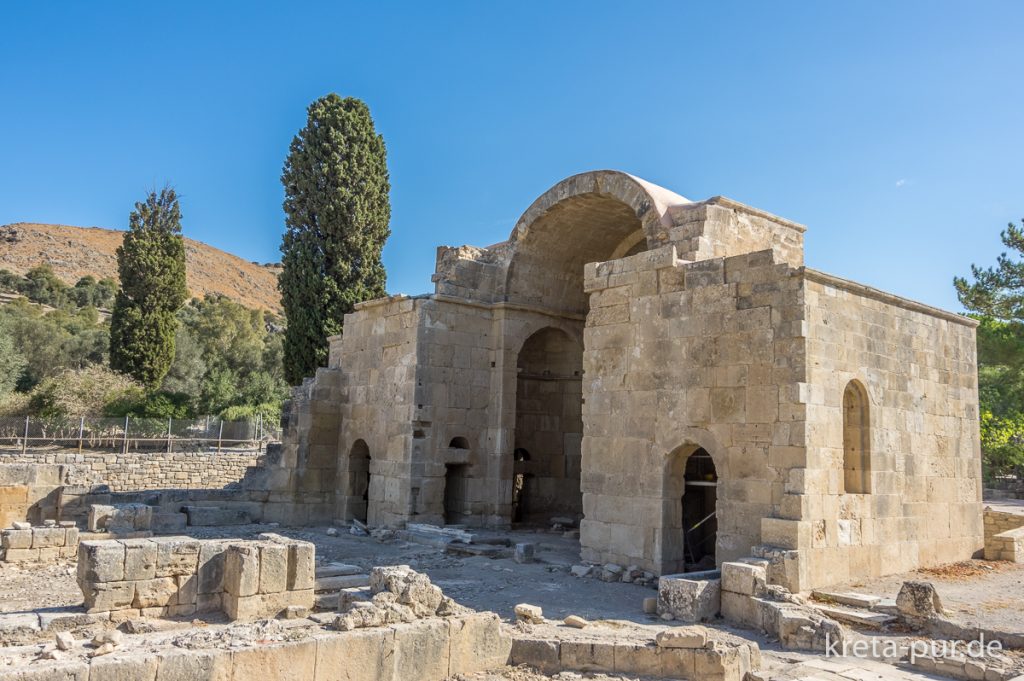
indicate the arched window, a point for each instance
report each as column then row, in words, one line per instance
column 856, row 440
column 458, row 443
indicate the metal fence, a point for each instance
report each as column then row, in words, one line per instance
column 135, row 434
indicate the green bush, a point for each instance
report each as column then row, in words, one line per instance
column 83, row 392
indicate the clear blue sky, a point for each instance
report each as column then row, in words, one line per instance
column 895, row 131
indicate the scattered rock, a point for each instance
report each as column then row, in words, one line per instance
column 667, row 616
column 611, row 573
column 529, row 613
column 49, row 523
column 64, row 640
column 575, row 621
column 918, row 601
column 104, row 649
column 524, row 553
column 295, row 612
column 651, row 605
column 581, row 570
column 21, row 526
column 111, row 636
column 332, row 532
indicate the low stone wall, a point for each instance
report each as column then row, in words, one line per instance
column 149, row 470
column 749, row 600
column 672, row 655
column 39, row 544
column 179, row 576
column 425, row 650
column 29, row 491
column 1004, row 536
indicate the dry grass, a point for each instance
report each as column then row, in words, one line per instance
column 74, row 252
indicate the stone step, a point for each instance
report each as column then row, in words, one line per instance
column 215, row 516
column 488, row 550
column 337, row 570
column 873, row 620
column 886, row 605
column 326, row 601
column 854, row 600
column 340, row 582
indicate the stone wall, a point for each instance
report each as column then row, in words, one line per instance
column 44, row 544
column 29, row 492
column 149, row 470
column 179, row 576
column 678, row 357
column 918, row 368
column 1004, row 536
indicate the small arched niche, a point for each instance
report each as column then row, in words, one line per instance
column 856, row 439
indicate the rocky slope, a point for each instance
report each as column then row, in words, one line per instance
column 74, row 252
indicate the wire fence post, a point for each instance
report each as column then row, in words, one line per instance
column 169, row 419
column 24, row 441
column 81, row 433
column 220, row 435
column 124, row 450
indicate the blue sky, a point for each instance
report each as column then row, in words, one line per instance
column 895, row 131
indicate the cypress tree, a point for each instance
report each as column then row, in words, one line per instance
column 151, row 265
column 337, row 220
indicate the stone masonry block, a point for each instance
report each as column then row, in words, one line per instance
column 744, row 578
column 242, row 570
column 100, row 561
column 17, row 539
column 155, row 593
column 690, row 597
column 140, row 557
column 176, row 556
column 273, row 568
column 211, row 568
column 104, row 597
column 301, row 565
column 48, row 537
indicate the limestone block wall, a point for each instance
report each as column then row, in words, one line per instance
column 29, row 492
column 44, row 544
column 179, row 576
column 300, row 481
column 379, row 417
column 680, row 356
column 721, row 227
column 453, row 395
column 146, row 470
column 1004, row 536
column 918, row 368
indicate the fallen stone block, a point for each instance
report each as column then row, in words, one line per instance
column 524, row 553
column 690, row 597
column 531, row 614
column 918, row 601
column 575, row 621
column 340, row 582
column 337, row 570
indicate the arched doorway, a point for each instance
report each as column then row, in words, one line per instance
column 359, row 471
column 690, row 518
column 549, row 427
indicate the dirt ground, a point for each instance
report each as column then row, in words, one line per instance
column 975, row 592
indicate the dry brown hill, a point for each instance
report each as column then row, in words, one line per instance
column 74, row 252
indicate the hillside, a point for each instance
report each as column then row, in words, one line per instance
column 74, row 252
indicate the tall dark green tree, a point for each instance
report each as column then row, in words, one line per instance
column 151, row 265
column 995, row 297
column 337, row 220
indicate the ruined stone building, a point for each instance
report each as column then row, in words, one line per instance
column 669, row 373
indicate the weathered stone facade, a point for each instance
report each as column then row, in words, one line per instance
column 670, row 373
